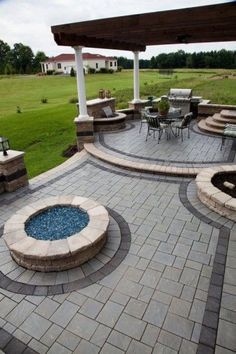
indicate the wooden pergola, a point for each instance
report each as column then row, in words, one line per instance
column 212, row 23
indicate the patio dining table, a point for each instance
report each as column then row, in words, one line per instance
column 170, row 118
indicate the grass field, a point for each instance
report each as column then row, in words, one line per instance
column 43, row 131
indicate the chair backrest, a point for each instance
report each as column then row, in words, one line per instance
column 143, row 114
column 186, row 120
column 153, row 122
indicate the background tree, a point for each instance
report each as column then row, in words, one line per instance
column 4, row 51
column 39, row 57
column 21, row 58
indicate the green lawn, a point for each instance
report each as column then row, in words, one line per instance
column 43, row 131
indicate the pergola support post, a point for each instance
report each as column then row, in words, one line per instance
column 137, row 104
column 84, row 123
column 136, row 78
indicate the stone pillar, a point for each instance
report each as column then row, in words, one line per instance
column 84, row 131
column 13, row 174
column 136, row 78
column 84, row 123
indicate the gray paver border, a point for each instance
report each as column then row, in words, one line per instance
column 10, row 344
column 48, row 290
column 208, row 335
column 230, row 157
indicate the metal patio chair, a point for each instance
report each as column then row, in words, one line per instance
column 183, row 124
column 154, row 126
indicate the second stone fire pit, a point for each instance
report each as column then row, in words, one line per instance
column 216, row 190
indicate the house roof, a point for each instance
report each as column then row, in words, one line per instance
column 212, row 23
column 71, row 57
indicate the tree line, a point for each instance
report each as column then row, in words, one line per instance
column 225, row 59
column 20, row 59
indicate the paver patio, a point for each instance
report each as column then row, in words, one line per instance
column 155, row 287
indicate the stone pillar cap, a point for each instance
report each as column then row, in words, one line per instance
column 11, row 155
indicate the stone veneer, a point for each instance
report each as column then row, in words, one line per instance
column 13, row 174
column 84, row 131
column 109, row 124
column 137, row 106
column 95, row 107
column 61, row 254
column 211, row 196
column 206, row 108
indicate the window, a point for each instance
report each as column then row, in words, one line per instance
column 114, row 63
column 96, row 65
column 111, row 63
column 64, row 67
column 59, row 66
column 46, row 66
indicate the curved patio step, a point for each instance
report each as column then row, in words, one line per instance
column 226, row 113
column 210, row 122
column 141, row 167
column 202, row 126
column 218, row 118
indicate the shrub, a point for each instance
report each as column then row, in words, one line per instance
column 119, row 68
column 50, row 72
column 18, row 109
column 44, row 100
column 91, row 71
column 103, row 71
column 72, row 72
column 73, row 100
column 111, row 71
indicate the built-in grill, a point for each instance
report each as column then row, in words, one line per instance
column 182, row 98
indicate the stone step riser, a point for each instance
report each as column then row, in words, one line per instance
column 212, row 124
column 223, row 120
column 228, row 114
column 202, row 126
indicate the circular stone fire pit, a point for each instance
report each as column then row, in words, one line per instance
column 57, row 233
column 216, row 189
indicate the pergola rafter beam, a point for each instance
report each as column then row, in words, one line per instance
column 212, row 23
column 74, row 40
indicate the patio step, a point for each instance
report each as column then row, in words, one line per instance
column 216, row 123
column 208, row 129
column 210, row 122
column 141, row 167
column 218, row 118
column 226, row 113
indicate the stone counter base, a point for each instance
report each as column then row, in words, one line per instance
column 47, row 256
column 212, row 197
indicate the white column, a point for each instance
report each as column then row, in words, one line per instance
column 80, row 83
column 136, row 78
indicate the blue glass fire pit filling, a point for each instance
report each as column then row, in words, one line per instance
column 57, row 223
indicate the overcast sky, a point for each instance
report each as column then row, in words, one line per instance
column 29, row 22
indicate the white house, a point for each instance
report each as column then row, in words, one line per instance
column 64, row 62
